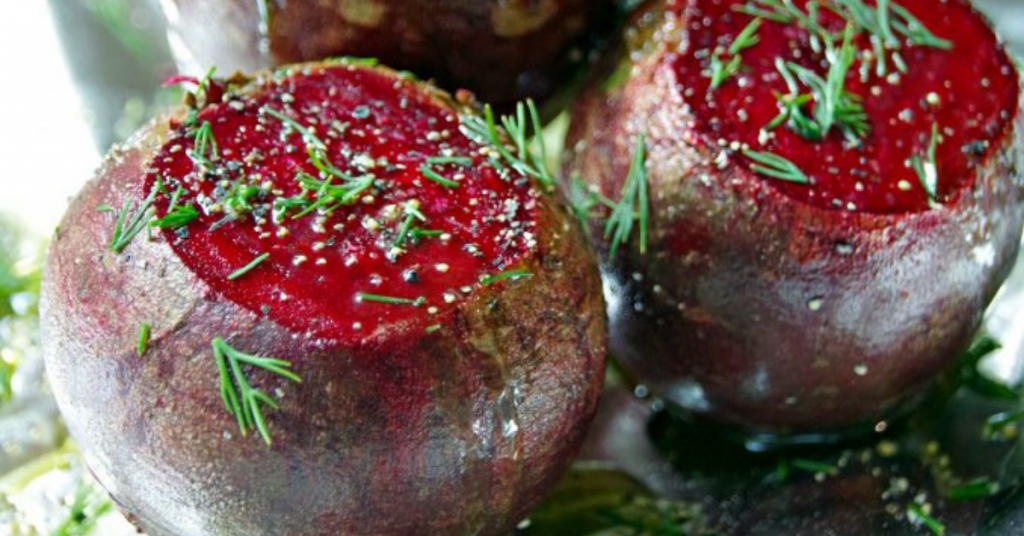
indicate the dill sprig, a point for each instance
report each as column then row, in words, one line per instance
column 722, row 70
column 813, row 466
column 327, row 197
column 634, row 205
column 511, row 275
column 775, row 166
column 240, row 398
column 204, row 151
column 248, row 267
column 463, row 161
column 927, row 168
column 434, row 176
column 391, row 300
column 131, row 222
column 310, row 139
column 918, row 517
column 144, row 332
column 522, row 157
column 412, row 212
column 834, row 106
column 177, row 215
column 87, row 508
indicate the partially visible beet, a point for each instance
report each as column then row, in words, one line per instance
column 503, row 50
column 450, row 410
column 789, row 308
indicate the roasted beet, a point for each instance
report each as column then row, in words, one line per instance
column 442, row 313
column 503, row 50
column 799, row 275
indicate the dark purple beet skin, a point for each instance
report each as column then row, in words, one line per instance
column 789, row 308
column 453, row 416
column 502, row 50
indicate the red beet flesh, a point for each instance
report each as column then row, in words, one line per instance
column 450, row 416
column 319, row 266
column 792, row 308
column 970, row 91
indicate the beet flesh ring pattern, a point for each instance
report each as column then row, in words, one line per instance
column 449, row 411
column 785, row 308
column 503, row 50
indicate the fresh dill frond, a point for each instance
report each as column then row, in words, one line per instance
column 917, row 516
column 773, row 165
column 132, row 222
column 633, row 207
column 89, row 505
column 524, row 159
column 241, row 400
column 722, row 70
column 434, row 176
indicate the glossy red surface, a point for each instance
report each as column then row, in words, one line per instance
column 319, row 264
column 970, row 92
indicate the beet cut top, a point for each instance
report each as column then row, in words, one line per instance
column 969, row 91
column 384, row 228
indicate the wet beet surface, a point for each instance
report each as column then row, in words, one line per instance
column 380, row 134
column 970, row 91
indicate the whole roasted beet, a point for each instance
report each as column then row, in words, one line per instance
column 834, row 198
column 502, row 50
column 312, row 304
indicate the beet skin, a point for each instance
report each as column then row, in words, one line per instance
column 793, row 308
column 502, row 50
column 451, row 410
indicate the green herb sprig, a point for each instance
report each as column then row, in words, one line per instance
column 177, row 215
column 927, row 168
column 412, row 214
column 634, row 206
column 775, row 166
column 722, row 70
column 917, row 516
column 248, row 267
column 511, row 275
column 143, row 345
column 240, row 398
column 391, row 300
column 87, row 508
column 522, row 158
column 132, row 222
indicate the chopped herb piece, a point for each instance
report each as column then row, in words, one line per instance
column 633, row 206
column 248, row 267
column 918, row 517
column 131, row 222
column 351, row 60
column 773, row 165
column 88, row 507
column 434, row 176
column 927, row 170
column 240, row 398
column 432, row 328
column 366, row 297
column 104, row 208
column 980, row 488
column 464, row 161
column 144, row 332
column 176, row 218
column 812, row 466
column 505, row 276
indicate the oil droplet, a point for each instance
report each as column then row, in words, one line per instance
column 815, row 303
